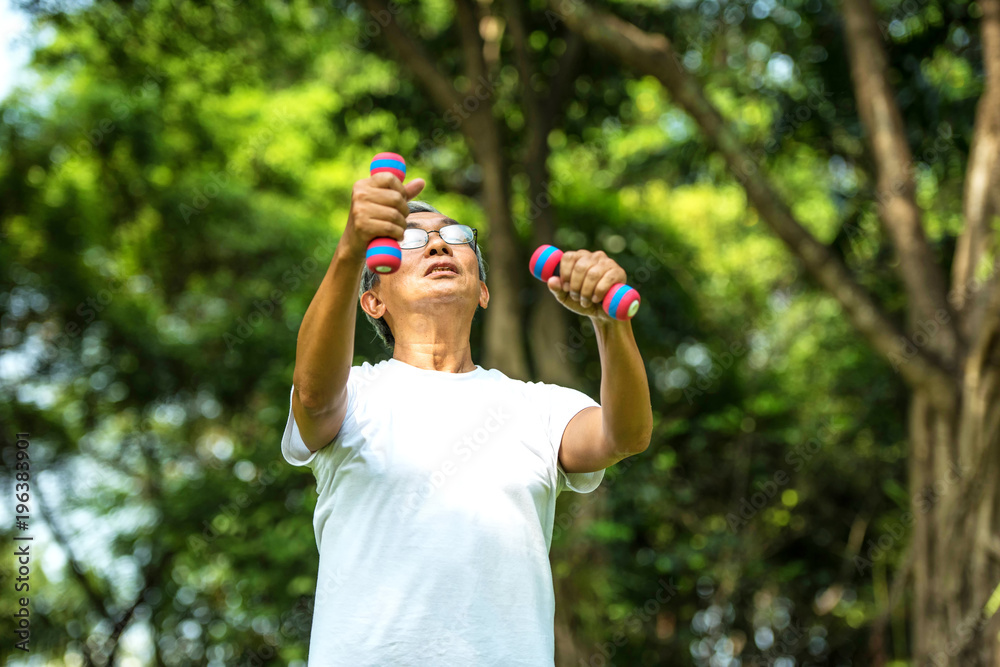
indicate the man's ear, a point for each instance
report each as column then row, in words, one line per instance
column 371, row 304
column 484, row 294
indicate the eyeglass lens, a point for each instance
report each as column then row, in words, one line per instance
column 414, row 237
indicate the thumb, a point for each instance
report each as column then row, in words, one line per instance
column 414, row 187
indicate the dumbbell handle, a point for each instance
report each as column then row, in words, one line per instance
column 621, row 302
column 384, row 255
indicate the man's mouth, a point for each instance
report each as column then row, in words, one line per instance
column 441, row 269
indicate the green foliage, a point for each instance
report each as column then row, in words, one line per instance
column 170, row 209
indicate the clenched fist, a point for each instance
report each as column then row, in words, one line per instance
column 584, row 279
column 378, row 208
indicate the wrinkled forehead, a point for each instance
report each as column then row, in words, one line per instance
column 428, row 220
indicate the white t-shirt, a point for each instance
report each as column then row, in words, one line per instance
column 434, row 519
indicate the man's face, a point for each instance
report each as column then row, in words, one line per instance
column 437, row 273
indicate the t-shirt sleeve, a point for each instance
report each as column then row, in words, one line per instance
column 293, row 449
column 564, row 404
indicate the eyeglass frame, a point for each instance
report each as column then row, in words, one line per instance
column 427, row 233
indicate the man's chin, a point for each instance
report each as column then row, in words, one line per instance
column 446, row 291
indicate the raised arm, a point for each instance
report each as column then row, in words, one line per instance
column 597, row 438
column 325, row 346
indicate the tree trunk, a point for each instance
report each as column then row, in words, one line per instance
column 956, row 531
column 503, row 337
column 549, row 320
column 587, row 562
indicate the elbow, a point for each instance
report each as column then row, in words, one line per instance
column 641, row 443
column 630, row 436
column 636, row 441
column 320, row 403
column 311, row 402
column 644, row 435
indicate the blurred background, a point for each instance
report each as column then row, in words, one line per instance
column 174, row 177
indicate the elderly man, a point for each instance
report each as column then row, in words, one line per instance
column 437, row 478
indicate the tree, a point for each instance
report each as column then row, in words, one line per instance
column 169, row 208
column 948, row 349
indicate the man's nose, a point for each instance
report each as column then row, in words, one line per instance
column 437, row 245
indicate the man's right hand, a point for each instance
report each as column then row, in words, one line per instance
column 378, row 208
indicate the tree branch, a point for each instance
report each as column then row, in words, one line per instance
column 549, row 322
column 537, row 124
column 980, row 387
column 515, row 22
column 96, row 597
column 153, row 577
column 898, row 210
column 472, row 44
column 653, row 55
column 978, row 621
column 989, row 329
column 122, row 623
column 416, row 58
column 895, row 595
column 980, row 201
column 540, row 114
column 564, row 76
column 477, row 125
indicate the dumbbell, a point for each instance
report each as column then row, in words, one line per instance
column 621, row 302
column 383, row 253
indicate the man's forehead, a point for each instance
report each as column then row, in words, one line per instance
column 428, row 220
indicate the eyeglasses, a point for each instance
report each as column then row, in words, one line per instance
column 414, row 237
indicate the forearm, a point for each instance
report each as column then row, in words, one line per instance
column 625, row 403
column 325, row 347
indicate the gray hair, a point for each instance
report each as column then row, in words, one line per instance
column 370, row 278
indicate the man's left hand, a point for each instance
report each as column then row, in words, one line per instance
column 584, row 278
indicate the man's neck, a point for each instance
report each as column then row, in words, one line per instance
column 435, row 356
